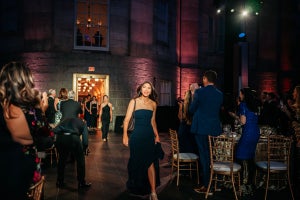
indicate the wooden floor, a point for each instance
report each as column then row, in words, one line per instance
column 106, row 169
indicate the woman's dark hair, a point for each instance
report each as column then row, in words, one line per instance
column 152, row 96
column 251, row 99
column 63, row 94
column 17, row 86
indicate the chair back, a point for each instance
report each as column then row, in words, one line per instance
column 182, row 161
column 174, row 142
column 221, row 148
column 35, row 191
column 279, row 149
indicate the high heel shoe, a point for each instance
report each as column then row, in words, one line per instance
column 153, row 196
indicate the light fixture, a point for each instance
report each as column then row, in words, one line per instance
column 244, row 13
column 90, row 22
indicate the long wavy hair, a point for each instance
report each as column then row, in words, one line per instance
column 17, row 87
column 153, row 94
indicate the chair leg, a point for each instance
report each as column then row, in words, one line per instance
column 56, row 155
column 233, row 186
column 239, row 183
column 177, row 175
column 197, row 172
column 291, row 190
column 267, row 186
column 209, row 185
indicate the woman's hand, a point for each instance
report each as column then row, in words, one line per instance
column 157, row 139
column 125, row 140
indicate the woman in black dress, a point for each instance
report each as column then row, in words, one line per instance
column 18, row 100
column 94, row 112
column 105, row 116
column 142, row 174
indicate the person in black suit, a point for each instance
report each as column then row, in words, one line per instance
column 68, row 141
column 205, row 107
column 70, row 108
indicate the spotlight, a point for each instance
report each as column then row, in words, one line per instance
column 242, row 35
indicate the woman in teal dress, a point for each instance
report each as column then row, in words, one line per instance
column 142, row 173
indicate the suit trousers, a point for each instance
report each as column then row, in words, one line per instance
column 203, row 148
column 65, row 145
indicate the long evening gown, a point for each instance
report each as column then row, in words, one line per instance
column 105, row 119
column 142, row 153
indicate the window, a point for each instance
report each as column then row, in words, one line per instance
column 165, row 93
column 91, row 30
column 161, row 21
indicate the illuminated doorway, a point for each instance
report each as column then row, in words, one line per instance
column 93, row 84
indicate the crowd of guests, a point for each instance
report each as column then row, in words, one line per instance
column 33, row 121
column 205, row 110
column 26, row 113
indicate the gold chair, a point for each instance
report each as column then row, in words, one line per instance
column 52, row 151
column 277, row 166
column 182, row 161
column 35, row 192
column 222, row 165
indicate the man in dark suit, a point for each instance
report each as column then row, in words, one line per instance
column 205, row 107
column 70, row 108
column 68, row 141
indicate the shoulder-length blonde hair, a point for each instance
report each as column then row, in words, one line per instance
column 17, row 86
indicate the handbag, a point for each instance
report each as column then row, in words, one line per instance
column 131, row 121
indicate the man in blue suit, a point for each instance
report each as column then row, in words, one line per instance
column 205, row 108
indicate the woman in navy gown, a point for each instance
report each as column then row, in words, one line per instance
column 245, row 152
column 142, row 174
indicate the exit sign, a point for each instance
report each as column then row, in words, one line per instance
column 91, row 69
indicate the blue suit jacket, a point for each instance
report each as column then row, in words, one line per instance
column 205, row 108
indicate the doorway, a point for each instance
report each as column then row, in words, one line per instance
column 93, row 84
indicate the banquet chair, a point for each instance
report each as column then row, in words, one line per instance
column 35, row 192
column 277, row 166
column 52, row 151
column 182, row 161
column 222, row 165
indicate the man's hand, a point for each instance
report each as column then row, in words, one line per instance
column 86, row 150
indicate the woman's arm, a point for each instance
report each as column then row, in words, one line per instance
column 126, row 121
column 110, row 111
column 153, row 123
column 241, row 118
column 44, row 102
column 100, row 112
column 180, row 111
column 17, row 125
column 56, row 100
